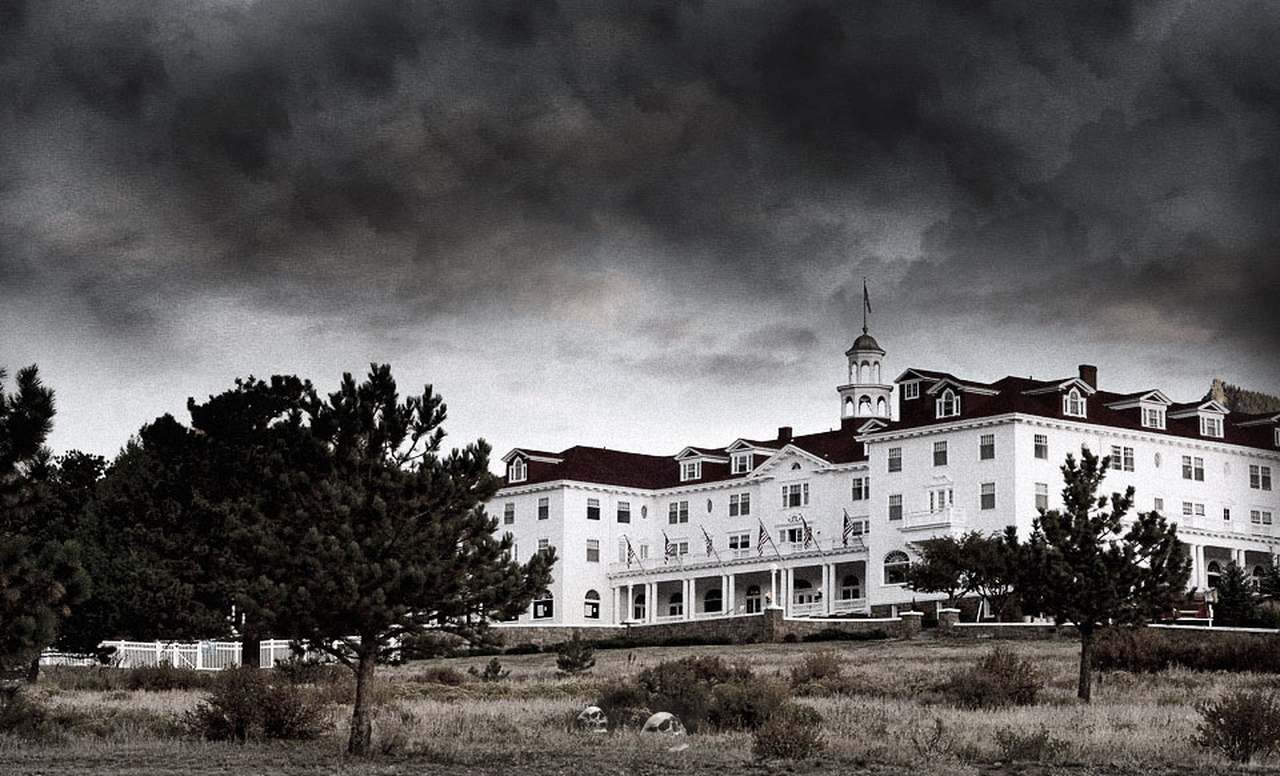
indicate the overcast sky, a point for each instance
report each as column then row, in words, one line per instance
column 638, row 225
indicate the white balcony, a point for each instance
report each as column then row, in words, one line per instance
column 1237, row 527
column 849, row 606
column 741, row 557
column 813, row 609
column 951, row 518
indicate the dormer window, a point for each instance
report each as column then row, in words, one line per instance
column 1277, row 440
column 741, row 463
column 1211, row 426
column 1073, row 404
column 1153, row 417
column 948, row 404
column 690, row 470
column 911, row 390
column 518, row 471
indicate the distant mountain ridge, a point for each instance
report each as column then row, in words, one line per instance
column 1238, row 399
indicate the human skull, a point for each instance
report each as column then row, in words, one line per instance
column 592, row 719
column 663, row 722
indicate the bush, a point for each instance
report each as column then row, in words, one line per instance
column 526, row 648
column 999, row 679
column 816, row 667
column 25, row 717
column 1240, row 725
column 446, row 675
column 575, row 656
column 703, row 692
column 683, row 687
column 1034, row 746
column 493, row 672
column 309, row 670
column 165, row 677
column 746, row 705
column 626, row 704
column 793, row 732
column 244, row 706
column 1148, row 650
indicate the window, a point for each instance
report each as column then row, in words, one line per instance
column 675, row 604
column 740, row 541
column 624, row 511
column 508, row 514
column 1277, row 437
column 544, row 507
column 1226, row 514
column 987, row 447
column 678, row 512
column 940, row 499
column 712, row 600
column 1158, row 504
column 637, row 606
column 911, row 390
column 1259, row 517
column 593, row 509
column 1213, row 573
column 1210, row 425
column 690, row 470
column 739, row 504
column 895, row 507
column 518, row 471
column 544, row 545
column 896, row 564
column 682, row 547
column 861, row 488
column 1191, row 508
column 850, row 588
column 754, row 602
column 948, row 404
column 591, row 605
column 1260, row 477
column 1042, row 447
column 1122, row 458
column 544, row 608
column 939, row 453
column 895, row 459
column 593, row 551
column 741, row 463
column 988, row 498
column 795, row 495
column 1042, row 496
column 1192, row 468
column 1152, row 417
column 1186, row 508
column 1073, row 404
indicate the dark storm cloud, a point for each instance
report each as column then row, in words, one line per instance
column 337, row 158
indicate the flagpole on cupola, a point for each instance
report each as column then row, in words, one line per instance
column 866, row 304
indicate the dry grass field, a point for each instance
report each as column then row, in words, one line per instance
column 891, row 723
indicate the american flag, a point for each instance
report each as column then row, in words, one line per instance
column 669, row 549
column 631, row 553
column 808, row 532
column 761, row 539
column 848, row 529
column 711, row 546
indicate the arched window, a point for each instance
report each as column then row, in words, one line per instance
column 864, row 406
column 591, row 605
column 544, row 608
column 882, row 407
column 637, row 606
column 517, row 471
column 754, row 602
column 895, row 568
column 848, row 406
column 712, row 600
column 864, row 372
column 850, row 588
column 875, row 369
column 948, row 404
column 1212, row 573
column 1073, row 404
column 675, row 604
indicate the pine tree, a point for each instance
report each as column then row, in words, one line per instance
column 1083, row 566
column 1236, row 605
column 41, row 578
column 1269, row 582
column 391, row 539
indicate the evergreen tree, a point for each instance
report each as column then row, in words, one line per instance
column 390, row 540
column 1083, row 566
column 40, row 576
column 1236, row 605
column 972, row 563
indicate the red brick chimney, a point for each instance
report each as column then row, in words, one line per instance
column 1089, row 373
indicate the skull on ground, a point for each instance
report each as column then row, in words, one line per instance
column 663, row 722
column 592, row 719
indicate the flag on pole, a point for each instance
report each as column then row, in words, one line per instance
column 808, row 532
column 631, row 553
column 711, row 546
column 669, row 549
column 765, row 537
column 848, row 529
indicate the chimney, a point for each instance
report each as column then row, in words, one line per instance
column 784, row 434
column 1089, row 373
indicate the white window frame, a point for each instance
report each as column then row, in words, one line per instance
column 795, row 495
column 593, row 547
column 1157, row 505
column 895, row 459
column 509, row 513
column 1042, row 495
column 544, row 508
column 911, row 390
column 677, row 512
column 1192, row 468
column 518, row 471
column 1259, row 477
column 1211, row 426
column 624, row 508
column 740, row 541
column 1153, row 417
column 987, row 447
column 948, row 404
column 690, row 470
column 895, row 502
column 903, row 565
column 861, row 490
column 741, row 463
column 1074, row 405
column 593, row 504
column 1040, row 442
column 739, row 504
column 984, row 490
column 940, row 447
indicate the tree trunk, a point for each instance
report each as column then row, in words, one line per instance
column 361, row 724
column 33, row 670
column 1086, row 658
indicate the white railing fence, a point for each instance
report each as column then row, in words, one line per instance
column 197, row 655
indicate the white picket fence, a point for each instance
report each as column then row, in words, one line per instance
column 199, row 655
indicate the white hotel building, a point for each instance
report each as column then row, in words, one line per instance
column 953, row 455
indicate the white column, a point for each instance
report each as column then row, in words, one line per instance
column 1238, row 556
column 826, row 588
column 731, row 595
column 686, row 588
column 789, row 593
column 650, row 601
column 1201, row 576
column 773, row 586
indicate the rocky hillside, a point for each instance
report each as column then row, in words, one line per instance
column 1237, row 399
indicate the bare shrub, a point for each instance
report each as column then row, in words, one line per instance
column 165, row 677
column 1148, row 650
column 1240, row 725
column 244, row 706
column 492, row 672
column 817, row 667
column 26, row 718
column 792, row 732
column 1029, row 746
column 446, row 675
column 746, row 705
column 999, row 678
